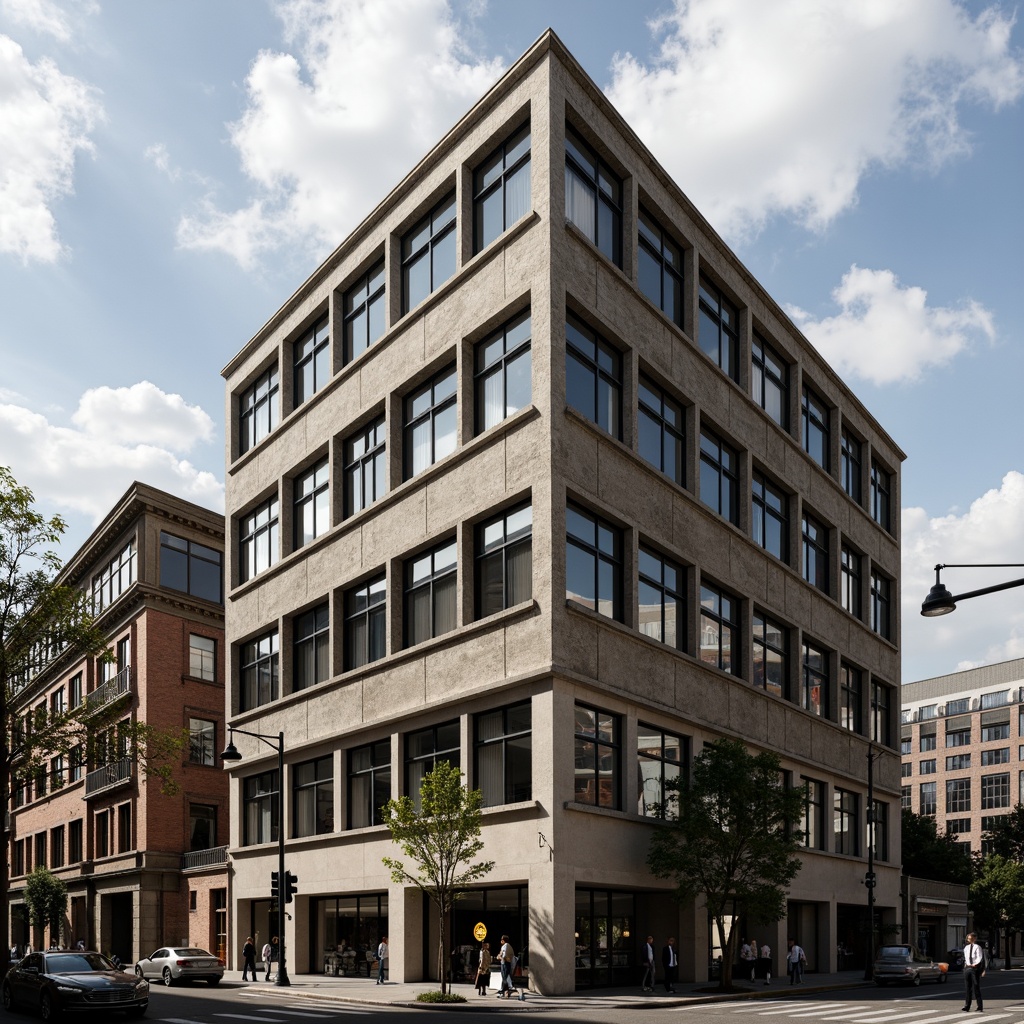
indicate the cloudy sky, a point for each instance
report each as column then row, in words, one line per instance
column 171, row 170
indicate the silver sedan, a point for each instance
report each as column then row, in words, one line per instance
column 905, row 964
column 181, row 963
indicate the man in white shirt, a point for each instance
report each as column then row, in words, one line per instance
column 670, row 963
column 795, row 960
column 648, row 959
column 974, row 970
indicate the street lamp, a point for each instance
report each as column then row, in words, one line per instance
column 231, row 754
column 941, row 602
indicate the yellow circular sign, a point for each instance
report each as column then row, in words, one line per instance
column 480, row 932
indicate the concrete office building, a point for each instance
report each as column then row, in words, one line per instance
column 531, row 475
column 142, row 869
column 962, row 747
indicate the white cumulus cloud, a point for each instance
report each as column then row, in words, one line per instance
column 982, row 630
column 779, row 109
column 41, row 16
column 119, row 435
column 330, row 127
column 144, row 413
column 887, row 333
column 45, row 120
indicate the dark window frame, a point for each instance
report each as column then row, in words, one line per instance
column 666, row 806
column 666, row 258
column 720, row 616
column 850, row 582
column 814, row 665
column 317, row 785
column 816, row 433
column 442, row 396
column 665, row 416
column 259, row 533
column 260, row 658
column 655, row 572
column 769, row 505
column 439, row 224
column 881, row 495
column 439, row 575
column 850, row 455
column 362, row 303
column 365, row 465
column 376, row 770
column 605, row 188
column 366, row 606
column 767, row 651
column 815, row 552
column 492, row 361
column 512, row 160
column 591, row 359
column 311, row 488
column 851, row 690
column 721, row 461
column 312, row 350
column 769, row 376
column 606, row 750
column 718, row 329
column 502, row 552
column 261, row 802
column 512, row 789
column 311, row 644
column 259, row 409
column 603, row 548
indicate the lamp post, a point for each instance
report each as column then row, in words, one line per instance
column 941, row 602
column 231, row 754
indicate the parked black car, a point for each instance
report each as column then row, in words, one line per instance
column 955, row 958
column 63, row 980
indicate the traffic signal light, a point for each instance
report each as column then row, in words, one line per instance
column 869, row 879
column 274, row 884
column 291, row 886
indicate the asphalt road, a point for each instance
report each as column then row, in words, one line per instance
column 253, row 1004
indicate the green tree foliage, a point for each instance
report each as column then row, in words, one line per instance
column 997, row 896
column 734, row 841
column 440, row 839
column 45, row 620
column 928, row 853
column 1006, row 836
column 46, row 897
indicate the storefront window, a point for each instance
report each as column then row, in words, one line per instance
column 606, row 942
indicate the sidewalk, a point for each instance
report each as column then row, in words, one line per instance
column 367, row 992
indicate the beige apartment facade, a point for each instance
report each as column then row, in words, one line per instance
column 143, row 869
column 962, row 748
column 532, row 476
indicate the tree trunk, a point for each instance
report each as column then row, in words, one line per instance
column 442, row 959
column 725, row 979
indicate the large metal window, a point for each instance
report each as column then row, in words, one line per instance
column 815, row 553
column 719, row 629
column 660, row 437
column 813, row 820
column 593, row 562
column 816, row 429
column 190, row 567
column 662, row 599
column 365, row 311
column 771, row 655
column 660, row 267
column 850, row 464
column 597, row 757
column 662, row 757
column 260, row 805
column 313, row 797
column 501, row 188
column 259, row 675
column 769, row 381
column 365, row 467
column 503, row 369
column 366, row 623
column 258, row 410
column 845, row 822
column 504, row 754
column 718, row 329
column 425, row 749
column 719, row 476
column 429, row 253
column 312, row 354
column 850, row 695
column 431, row 420
column 259, row 545
column 593, row 377
column 369, row 783
column 815, row 680
column 312, row 647
column 311, row 515
column 504, row 561
column 958, row 795
column 881, row 487
column 593, row 197
column 995, row 791
column 770, row 519
column 431, row 591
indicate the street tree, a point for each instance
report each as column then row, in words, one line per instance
column 734, row 839
column 441, row 839
column 46, row 897
column 929, row 853
column 1005, row 835
column 45, row 622
column 997, row 897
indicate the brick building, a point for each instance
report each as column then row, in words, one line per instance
column 962, row 747
column 532, row 476
column 142, row 869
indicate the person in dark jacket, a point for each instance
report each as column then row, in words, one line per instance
column 248, row 959
column 670, row 962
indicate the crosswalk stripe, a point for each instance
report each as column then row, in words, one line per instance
column 884, row 1015
column 928, row 1020
column 178, row 1020
column 247, row 1016
column 757, row 1009
column 846, row 1012
column 298, row 1013
column 817, row 1009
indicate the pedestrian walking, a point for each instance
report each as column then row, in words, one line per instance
column 647, row 956
column 795, row 961
column 248, row 959
column 270, row 955
column 483, row 970
column 748, row 954
column 670, row 963
column 382, row 955
column 765, row 963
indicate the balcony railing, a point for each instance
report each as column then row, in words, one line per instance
column 108, row 692
column 204, row 858
column 113, row 774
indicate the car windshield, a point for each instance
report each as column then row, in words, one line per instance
column 192, row 952
column 894, row 952
column 77, row 963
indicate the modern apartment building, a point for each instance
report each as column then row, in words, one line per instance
column 962, row 745
column 532, row 476
column 142, row 869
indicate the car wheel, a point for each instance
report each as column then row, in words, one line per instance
column 213, row 981
column 917, row 980
column 46, row 1008
column 168, row 980
column 8, row 998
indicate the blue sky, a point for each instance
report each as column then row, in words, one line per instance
column 171, row 170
